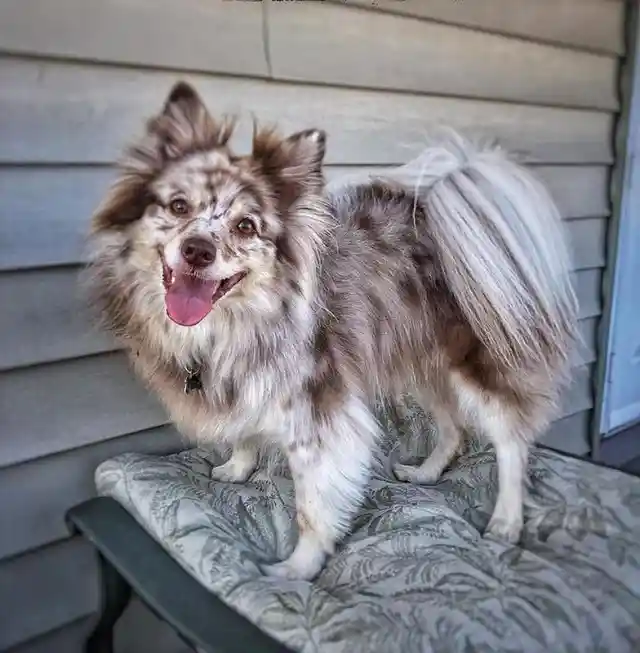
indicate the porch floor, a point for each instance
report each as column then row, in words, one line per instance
column 622, row 450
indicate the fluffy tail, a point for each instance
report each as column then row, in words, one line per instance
column 503, row 249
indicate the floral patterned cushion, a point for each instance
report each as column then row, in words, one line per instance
column 415, row 575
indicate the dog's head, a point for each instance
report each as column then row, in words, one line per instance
column 203, row 228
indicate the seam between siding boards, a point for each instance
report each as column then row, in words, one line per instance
column 266, row 38
column 65, row 450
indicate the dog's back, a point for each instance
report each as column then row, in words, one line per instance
column 422, row 288
column 458, row 291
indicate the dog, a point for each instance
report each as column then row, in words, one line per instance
column 262, row 308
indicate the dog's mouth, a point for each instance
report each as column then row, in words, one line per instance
column 189, row 297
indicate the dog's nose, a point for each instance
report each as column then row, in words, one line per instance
column 198, row 252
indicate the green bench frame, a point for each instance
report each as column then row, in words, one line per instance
column 131, row 561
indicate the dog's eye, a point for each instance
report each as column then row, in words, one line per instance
column 246, row 227
column 179, row 206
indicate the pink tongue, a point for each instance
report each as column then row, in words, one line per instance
column 190, row 299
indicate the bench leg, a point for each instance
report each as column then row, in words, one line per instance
column 115, row 596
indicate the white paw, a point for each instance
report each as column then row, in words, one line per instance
column 305, row 563
column 423, row 475
column 230, row 472
column 283, row 570
column 506, row 530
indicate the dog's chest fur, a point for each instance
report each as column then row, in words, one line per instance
column 250, row 377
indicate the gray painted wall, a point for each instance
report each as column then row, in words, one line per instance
column 77, row 77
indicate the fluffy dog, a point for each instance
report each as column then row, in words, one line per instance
column 261, row 308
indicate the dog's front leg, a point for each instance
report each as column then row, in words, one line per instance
column 241, row 464
column 330, row 466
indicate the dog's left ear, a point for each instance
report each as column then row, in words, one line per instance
column 303, row 153
column 296, row 160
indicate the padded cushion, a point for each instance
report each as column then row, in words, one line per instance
column 415, row 575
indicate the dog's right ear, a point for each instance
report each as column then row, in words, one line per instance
column 183, row 121
column 182, row 97
column 124, row 203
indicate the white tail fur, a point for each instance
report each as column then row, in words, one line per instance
column 503, row 248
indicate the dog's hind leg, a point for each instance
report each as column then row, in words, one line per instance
column 509, row 434
column 448, row 441
column 512, row 456
column 330, row 467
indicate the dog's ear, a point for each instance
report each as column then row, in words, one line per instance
column 183, row 97
column 303, row 153
column 183, row 126
column 294, row 160
column 124, row 203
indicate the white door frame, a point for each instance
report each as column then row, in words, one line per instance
column 628, row 166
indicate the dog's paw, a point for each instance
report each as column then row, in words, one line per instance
column 283, row 569
column 305, row 563
column 292, row 570
column 231, row 472
column 505, row 530
column 422, row 475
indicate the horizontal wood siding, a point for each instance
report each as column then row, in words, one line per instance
column 46, row 301
column 73, row 113
column 62, row 639
column 334, row 45
column 45, row 588
column 48, row 486
column 589, row 24
column 34, row 235
column 540, row 76
column 138, row 631
column 214, row 36
column 570, row 434
column 59, row 406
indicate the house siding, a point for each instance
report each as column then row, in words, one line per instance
column 540, row 76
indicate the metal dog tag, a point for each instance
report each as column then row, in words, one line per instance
column 193, row 382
